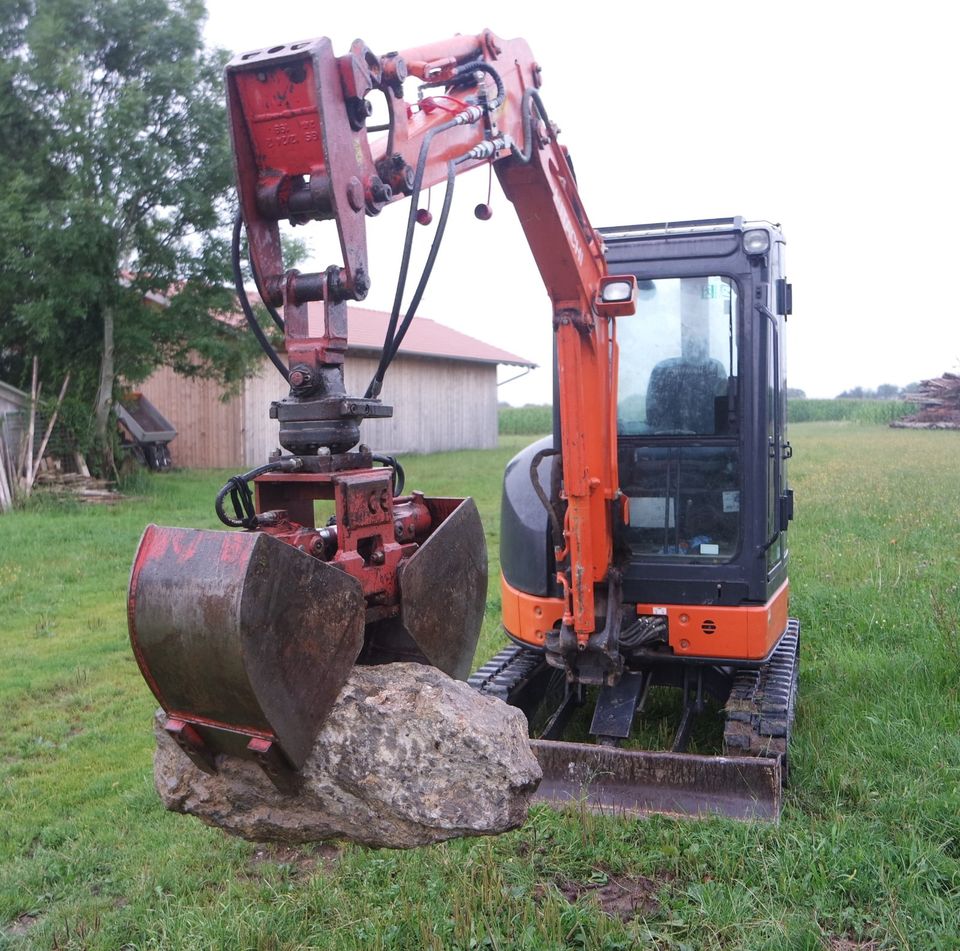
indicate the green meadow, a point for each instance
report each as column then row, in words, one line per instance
column 867, row 855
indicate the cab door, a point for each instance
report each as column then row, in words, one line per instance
column 779, row 450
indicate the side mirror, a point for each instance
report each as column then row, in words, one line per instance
column 617, row 295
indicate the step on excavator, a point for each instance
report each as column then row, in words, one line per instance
column 644, row 543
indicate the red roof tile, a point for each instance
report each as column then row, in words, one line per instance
column 366, row 329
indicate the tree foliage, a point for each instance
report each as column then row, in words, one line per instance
column 885, row 391
column 114, row 198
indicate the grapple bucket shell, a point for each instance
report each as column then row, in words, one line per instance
column 242, row 636
column 443, row 587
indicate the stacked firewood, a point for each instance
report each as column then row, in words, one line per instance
column 939, row 401
column 943, row 391
column 78, row 485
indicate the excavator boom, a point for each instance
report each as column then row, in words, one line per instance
column 303, row 151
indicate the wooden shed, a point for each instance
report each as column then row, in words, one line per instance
column 14, row 405
column 442, row 385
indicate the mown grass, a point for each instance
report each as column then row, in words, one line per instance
column 868, row 851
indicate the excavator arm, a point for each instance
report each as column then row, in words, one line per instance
column 246, row 638
column 303, row 151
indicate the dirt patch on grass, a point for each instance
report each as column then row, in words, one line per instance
column 20, row 925
column 619, row 896
column 302, row 860
column 846, row 943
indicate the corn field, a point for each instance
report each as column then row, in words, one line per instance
column 536, row 420
column 858, row 411
column 525, row 420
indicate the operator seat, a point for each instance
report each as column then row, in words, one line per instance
column 682, row 396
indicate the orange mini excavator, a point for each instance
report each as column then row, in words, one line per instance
column 643, row 543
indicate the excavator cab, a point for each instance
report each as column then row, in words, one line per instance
column 701, row 423
column 700, row 544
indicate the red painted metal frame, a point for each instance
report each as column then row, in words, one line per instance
column 373, row 533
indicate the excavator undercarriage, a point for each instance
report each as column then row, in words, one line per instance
column 745, row 783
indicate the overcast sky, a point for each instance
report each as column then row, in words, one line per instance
column 838, row 121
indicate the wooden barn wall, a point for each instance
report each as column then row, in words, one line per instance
column 439, row 405
column 209, row 431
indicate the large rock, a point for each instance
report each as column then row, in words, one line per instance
column 408, row 756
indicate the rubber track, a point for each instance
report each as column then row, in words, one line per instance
column 762, row 702
column 759, row 711
column 500, row 675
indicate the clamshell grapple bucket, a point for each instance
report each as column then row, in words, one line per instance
column 246, row 640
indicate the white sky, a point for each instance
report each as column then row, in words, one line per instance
column 836, row 120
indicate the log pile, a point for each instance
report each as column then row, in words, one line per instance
column 76, row 485
column 939, row 401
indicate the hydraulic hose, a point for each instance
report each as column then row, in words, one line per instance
column 271, row 310
column 398, row 474
column 530, row 97
column 388, row 344
column 542, row 496
column 241, row 496
column 252, row 321
column 484, row 67
column 428, row 266
column 473, row 66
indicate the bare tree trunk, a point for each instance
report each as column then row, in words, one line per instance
column 105, row 394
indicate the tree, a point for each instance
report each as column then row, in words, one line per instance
column 857, row 393
column 116, row 192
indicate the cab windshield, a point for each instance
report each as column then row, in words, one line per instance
column 676, row 418
column 678, row 357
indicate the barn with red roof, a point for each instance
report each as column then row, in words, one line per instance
column 442, row 386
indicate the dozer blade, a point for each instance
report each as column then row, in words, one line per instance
column 443, row 588
column 637, row 782
column 244, row 640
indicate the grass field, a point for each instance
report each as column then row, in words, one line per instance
column 867, row 854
